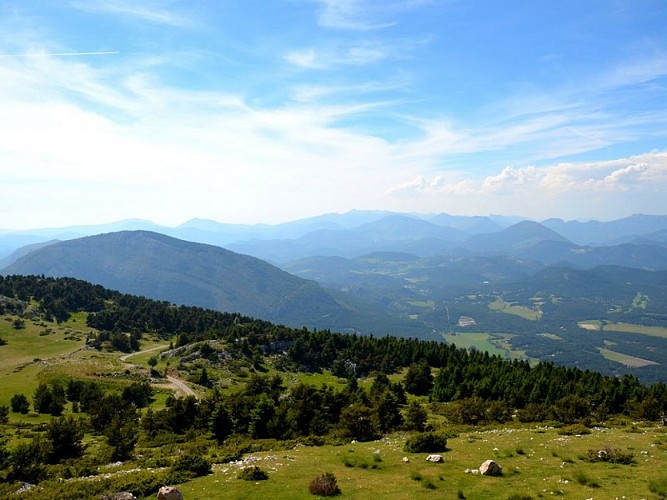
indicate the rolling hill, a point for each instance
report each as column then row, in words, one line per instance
column 164, row 268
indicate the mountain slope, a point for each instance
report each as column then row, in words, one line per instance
column 165, row 268
column 521, row 235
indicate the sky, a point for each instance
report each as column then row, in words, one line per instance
column 246, row 111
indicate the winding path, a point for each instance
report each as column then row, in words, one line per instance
column 177, row 384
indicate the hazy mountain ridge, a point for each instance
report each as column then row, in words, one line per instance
column 363, row 231
column 165, row 268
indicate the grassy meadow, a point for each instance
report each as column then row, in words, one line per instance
column 537, row 463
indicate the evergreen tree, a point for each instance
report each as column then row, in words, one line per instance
column 418, row 379
column 260, row 416
column 28, row 460
column 358, row 422
column 121, row 437
column 42, row 398
column 66, row 435
column 20, row 403
column 221, row 424
column 388, row 414
column 415, row 417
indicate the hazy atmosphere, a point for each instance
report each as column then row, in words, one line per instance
column 268, row 111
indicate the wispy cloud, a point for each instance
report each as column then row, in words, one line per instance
column 348, row 15
column 62, row 54
column 143, row 10
column 329, row 57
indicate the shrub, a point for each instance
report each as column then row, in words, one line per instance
column 428, row 484
column 416, row 476
column 611, row 455
column 574, row 430
column 252, row 473
column 582, row 478
column 20, row 403
column 192, row 463
column 325, row 485
column 426, row 442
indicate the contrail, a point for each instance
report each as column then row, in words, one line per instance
column 62, row 54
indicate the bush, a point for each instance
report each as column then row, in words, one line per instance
column 20, row 403
column 192, row 463
column 325, row 485
column 426, row 442
column 611, row 455
column 429, row 485
column 252, row 473
column 574, row 430
column 582, row 478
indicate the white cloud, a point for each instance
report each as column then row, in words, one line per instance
column 142, row 10
column 353, row 54
column 646, row 171
column 348, row 15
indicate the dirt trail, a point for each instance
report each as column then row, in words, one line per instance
column 180, row 385
column 174, row 383
column 156, row 348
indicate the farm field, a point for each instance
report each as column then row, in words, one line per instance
column 597, row 325
column 626, row 359
column 510, row 308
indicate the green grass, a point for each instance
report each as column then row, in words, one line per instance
column 524, row 312
column 537, row 471
column 30, row 350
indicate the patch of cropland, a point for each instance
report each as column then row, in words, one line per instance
column 129, row 394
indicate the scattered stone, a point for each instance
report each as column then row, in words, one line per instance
column 406, row 460
column 435, row 458
column 169, row 493
column 491, row 468
column 24, row 487
column 123, row 495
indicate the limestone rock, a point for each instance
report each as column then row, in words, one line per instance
column 491, row 468
column 435, row 458
column 169, row 493
column 406, row 460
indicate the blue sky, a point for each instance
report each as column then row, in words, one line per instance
column 243, row 111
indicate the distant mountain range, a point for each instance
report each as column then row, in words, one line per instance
column 357, row 233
